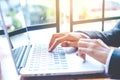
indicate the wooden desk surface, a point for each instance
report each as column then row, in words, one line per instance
column 63, row 78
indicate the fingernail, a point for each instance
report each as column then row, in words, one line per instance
column 83, row 56
column 49, row 50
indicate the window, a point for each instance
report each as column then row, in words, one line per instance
column 64, row 15
column 39, row 11
column 19, row 14
column 12, row 15
column 92, row 9
column 112, row 8
column 99, row 14
column 87, row 9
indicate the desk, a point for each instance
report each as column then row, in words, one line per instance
column 69, row 79
column 8, row 71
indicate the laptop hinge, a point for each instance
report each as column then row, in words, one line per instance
column 25, row 56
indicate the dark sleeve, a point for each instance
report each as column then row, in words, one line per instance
column 114, row 64
column 111, row 37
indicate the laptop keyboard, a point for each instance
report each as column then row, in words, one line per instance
column 44, row 60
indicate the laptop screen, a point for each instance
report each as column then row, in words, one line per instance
column 13, row 20
column 13, row 15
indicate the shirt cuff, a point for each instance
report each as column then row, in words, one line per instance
column 108, row 60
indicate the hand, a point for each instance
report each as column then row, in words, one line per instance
column 66, row 39
column 96, row 48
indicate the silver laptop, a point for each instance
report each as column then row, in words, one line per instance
column 34, row 60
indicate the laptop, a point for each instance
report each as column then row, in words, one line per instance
column 34, row 60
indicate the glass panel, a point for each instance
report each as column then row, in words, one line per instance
column 112, row 8
column 94, row 26
column 32, row 12
column 12, row 14
column 110, row 24
column 87, row 9
column 39, row 11
column 64, row 15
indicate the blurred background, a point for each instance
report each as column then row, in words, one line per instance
column 70, row 15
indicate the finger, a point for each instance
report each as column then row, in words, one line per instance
column 54, row 36
column 81, row 54
column 83, row 43
column 90, row 46
column 93, row 41
column 69, row 44
column 89, row 43
column 58, row 41
column 88, row 40
column 102, row 43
